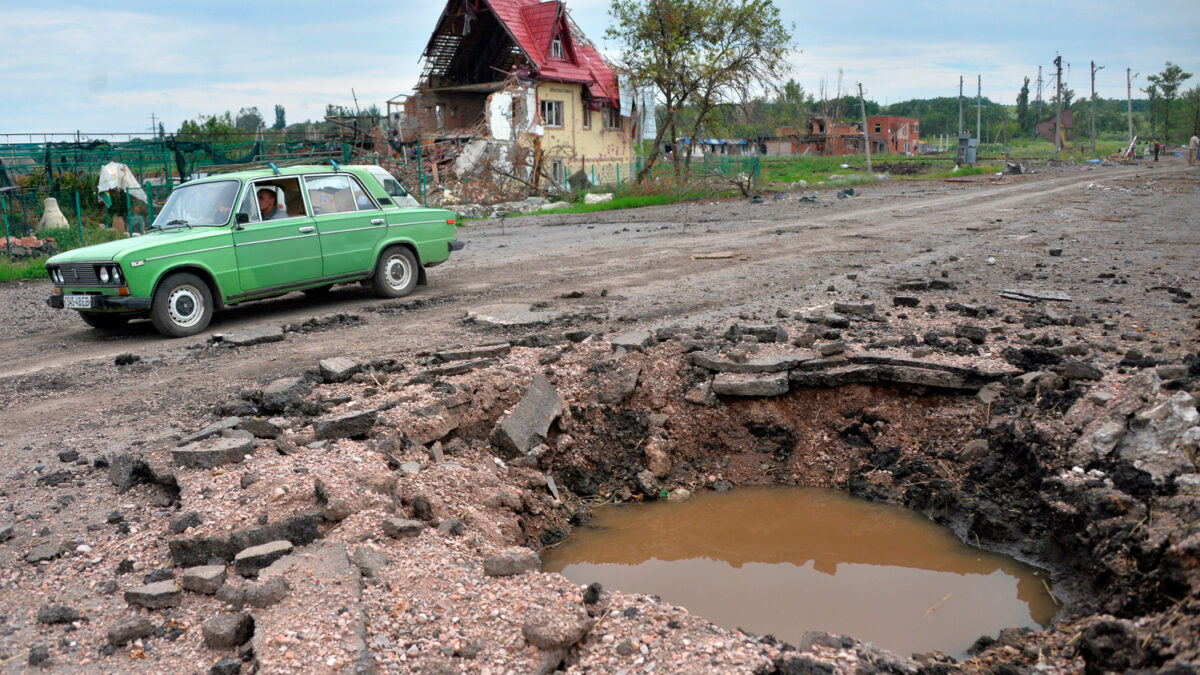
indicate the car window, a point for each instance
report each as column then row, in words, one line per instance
column 249, row 207
column 290, row 203
column 199, row 204
column 330, row 194
column 361, row 199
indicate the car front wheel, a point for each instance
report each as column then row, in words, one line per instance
column 182, row 306
column 396, row 273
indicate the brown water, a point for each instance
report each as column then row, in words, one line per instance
column 788, row 560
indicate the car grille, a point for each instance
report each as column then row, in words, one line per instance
column 79, row 274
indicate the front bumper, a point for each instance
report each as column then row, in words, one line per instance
column 107, row 302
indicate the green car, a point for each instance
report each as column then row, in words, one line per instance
column 234, row 237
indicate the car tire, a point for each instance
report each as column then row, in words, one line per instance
column 396, row 273
column 182, row 305
column 319, row 290
column 103, row 321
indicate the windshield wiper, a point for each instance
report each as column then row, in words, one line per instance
column 180, row 221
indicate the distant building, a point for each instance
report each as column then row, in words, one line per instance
column 1045, row 128
column 894, row 135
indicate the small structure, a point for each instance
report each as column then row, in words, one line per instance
column 1045, row 128
column 894, row 135
column 515, row 85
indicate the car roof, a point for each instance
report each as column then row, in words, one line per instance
column 298, row 170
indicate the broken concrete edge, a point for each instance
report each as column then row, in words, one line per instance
column 770, row 376
column 197, row 551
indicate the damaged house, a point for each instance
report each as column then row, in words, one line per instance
column 513, row 85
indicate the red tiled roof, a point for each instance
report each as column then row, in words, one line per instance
column 534, row 24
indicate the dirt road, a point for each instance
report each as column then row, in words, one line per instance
column 1119, row 244
column 632, row 267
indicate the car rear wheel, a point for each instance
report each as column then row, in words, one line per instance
column 103, row 321
column 182, row 306
column 396, row 273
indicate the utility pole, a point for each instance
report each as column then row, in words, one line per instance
column 1039, row 95
column 1058, row 105
column 1129, row 98
column 979, row 107
column 862, row 102
column 1094, row 69
column 960, row 83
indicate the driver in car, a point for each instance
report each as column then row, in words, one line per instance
column 268, row 204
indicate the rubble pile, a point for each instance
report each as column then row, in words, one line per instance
column 384, row 515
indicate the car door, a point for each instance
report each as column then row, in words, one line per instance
column 275, row 254
column 350, row 223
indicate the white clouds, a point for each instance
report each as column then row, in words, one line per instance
column 95, row 68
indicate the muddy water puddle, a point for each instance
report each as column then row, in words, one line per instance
column 788, row 560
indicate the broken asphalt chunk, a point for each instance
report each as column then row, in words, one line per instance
column 527, row 425
column 347, row 425
column 212, row 453
column 738, row 384
column 154, row 596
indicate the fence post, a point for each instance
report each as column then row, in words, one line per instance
column 4, row 208
column 128, row 214
column 79, row 217
column 149, row 205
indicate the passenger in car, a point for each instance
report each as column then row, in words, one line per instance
column 268, row 204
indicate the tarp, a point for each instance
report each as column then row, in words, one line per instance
column 115, row 175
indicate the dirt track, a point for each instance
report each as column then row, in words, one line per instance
column 1121, row 241
column 790, row 253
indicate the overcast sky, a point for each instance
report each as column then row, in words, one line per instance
column 107, row 66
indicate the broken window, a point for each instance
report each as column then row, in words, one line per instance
column 587, row 117
column 558, row 172
column 612, row 118
column 877, row 128
column 552, row 113
column 556, row 49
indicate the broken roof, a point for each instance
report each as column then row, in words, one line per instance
column 533, row 26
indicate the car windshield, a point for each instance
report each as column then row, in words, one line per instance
column 198, row 205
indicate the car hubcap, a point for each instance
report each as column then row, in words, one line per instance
column 186, row 306
column 398, row 272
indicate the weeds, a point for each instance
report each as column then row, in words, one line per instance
column 34, row 268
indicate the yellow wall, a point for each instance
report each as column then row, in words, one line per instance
column 597, row 150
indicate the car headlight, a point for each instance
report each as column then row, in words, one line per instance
column 116, row 274
column 103, row 274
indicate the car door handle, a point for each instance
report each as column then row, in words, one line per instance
column 377, row 221
column 307, row 230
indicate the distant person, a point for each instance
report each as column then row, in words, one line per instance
column 1193, row 148
column 1157, row 148
column 268, row 204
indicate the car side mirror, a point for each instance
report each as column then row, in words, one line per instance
column 242, row 218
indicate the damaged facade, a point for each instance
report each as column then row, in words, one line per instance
column 515, row 86
column 823, row 137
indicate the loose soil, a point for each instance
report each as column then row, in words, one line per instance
column 1013, row 469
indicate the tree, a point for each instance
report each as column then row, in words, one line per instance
column 210, row 128
column 1168, row 83
column 1068, row 95
column 162, row 131
column 1023, row 120
column 249, row 120
column 280, row 119
column 701, row 53
column 1192, row 98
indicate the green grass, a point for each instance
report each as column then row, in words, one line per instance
column 34, row 268
column 67, row 238
column 633, row 202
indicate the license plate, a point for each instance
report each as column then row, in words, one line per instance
column 77, row 301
